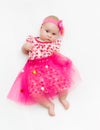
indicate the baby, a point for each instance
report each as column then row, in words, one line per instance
column 47, row 73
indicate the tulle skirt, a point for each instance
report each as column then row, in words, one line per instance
column 44, row 77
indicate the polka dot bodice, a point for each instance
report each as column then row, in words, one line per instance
column 42, row 49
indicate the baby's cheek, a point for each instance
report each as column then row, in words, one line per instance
column 54, row 39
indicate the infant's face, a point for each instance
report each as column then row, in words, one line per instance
column 49, row 32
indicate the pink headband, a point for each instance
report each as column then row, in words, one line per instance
column 57, row 23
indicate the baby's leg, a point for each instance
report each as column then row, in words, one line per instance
column 62, row 98
column 42, row 100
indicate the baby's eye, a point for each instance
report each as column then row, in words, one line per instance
column 53, row 33
column 47, row 31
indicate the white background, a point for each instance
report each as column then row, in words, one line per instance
column 20, row 18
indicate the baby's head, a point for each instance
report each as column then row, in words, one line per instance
column 51, row 29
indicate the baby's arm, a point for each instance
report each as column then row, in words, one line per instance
column 27, row 47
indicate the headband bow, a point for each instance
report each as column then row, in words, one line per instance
column 60, row 26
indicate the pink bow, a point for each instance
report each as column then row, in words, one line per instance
column 61, row 28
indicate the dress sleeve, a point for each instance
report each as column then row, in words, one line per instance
column 30, row 39
column 57, row 45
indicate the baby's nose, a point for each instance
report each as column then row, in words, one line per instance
column 49, row 35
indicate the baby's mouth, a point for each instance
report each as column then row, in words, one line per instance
column 48, row 40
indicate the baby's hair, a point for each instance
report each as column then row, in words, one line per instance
column 52, row 17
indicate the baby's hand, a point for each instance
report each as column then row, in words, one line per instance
column 27, row 47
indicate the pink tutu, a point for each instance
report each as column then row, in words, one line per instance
column 44, row 76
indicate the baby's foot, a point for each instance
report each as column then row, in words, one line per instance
column 64, row 103
column 51, row 110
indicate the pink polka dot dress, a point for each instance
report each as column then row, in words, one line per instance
column 46, row 73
